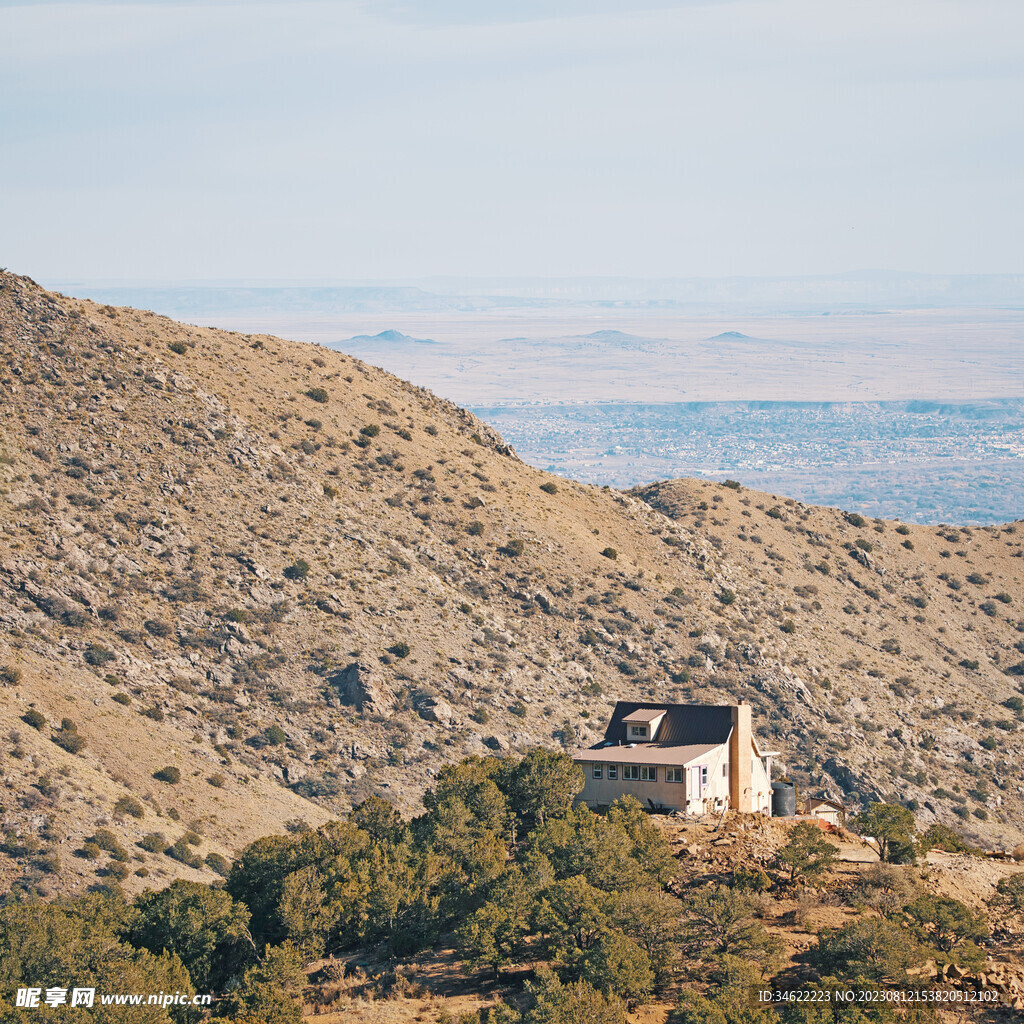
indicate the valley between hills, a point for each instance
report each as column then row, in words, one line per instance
column 246, row 583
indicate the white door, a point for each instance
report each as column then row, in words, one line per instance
column 695, row 793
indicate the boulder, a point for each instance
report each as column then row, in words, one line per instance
column 435, row 709
column 363, row 688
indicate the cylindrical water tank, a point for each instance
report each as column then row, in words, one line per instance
column 783, row 799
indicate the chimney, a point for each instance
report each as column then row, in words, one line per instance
column 740, row 795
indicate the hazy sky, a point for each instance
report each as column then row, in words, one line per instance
column 389, row 140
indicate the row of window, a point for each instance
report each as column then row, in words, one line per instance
column 648, row 773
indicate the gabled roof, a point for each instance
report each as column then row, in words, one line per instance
column 683, row 725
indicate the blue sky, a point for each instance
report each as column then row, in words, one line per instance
column 390, row 140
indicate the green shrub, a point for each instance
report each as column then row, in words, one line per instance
column 989, row 742
column 903, row 529
column 178, row 347
column 34, row 718
column 275, row 735
column 733, row 485
column 153, row 843
column 90, row 851
column 370, row 430
column 480, row 715
column 610, row 553
column 518, row 709
column 217, row 781
column 180, row 851
column 168, row 774
column 318, row 395
column 298, row 570
column 121, row 698
column 9, row 676
column 514, row 548
column 726, row 596
column 129, row 805
column 550, row 487
column 218, row 863
column 789, row 626
column 69, row 739
column 475, row 528
column 854, row 519
column 400, row 649
column 97, row 655
column 155, row 627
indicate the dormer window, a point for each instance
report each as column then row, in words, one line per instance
column 642, row 725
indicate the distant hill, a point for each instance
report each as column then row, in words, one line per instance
column 390, row 338
column 298, row 580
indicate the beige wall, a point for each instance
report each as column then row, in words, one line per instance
column 674, row 796
column 679, row 796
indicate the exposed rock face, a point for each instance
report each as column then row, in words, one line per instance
column 364, row 689
column 435, row 709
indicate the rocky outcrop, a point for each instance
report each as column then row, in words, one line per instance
column 361, row 687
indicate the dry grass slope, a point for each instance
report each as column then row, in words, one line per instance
column 300, row 580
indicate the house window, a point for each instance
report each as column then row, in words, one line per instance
column 630, row 772
column 673, row 774
column 613, row 771
column 704, row 775
column 597, row 771
column 648, row 773
column 638, row 730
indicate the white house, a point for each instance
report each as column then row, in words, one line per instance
column 696, row 758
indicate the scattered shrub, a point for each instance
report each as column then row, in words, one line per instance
column 550, row 487
column 514, row 548
column 168, row 774
column 610, row 553
column 180, row 851
column 9, row 676
column 400, row 649
column 275, row 735
column 97, row 655
column 370, row 430
column 318, row 395
column 178, row 347
column 153, row 843
column 34, row 718
column 129, row 805
column 156, row 627
column 298, row 570
column 218, row 863
column 121, row 698
column 68, row 738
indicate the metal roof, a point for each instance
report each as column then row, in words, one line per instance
column 644, row 715
column 683, row 724
column 645, row 753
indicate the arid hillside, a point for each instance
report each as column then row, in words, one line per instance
column 245, row 582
